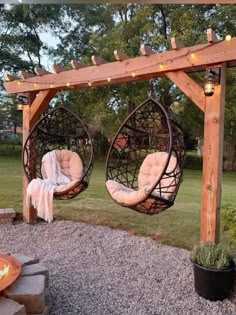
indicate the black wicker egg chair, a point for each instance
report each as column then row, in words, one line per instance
column 59, row 129
column 145, row 160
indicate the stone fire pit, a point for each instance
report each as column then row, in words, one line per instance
column 28, row 294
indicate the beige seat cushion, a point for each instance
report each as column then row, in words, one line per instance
column 71, row 166
column 124, row 195
column 149, row 173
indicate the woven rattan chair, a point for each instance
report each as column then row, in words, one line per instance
column 60, row 129
column 145, row 160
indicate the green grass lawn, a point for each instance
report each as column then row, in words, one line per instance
column 178, row 226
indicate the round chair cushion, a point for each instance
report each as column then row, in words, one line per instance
column 152, row 168
column 71, row 166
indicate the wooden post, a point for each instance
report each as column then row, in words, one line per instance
column 29, row 213
column 212, row 162
column 31, row 114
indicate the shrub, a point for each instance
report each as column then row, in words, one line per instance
column 210, row 255
column 193, row 162
column 228, row 221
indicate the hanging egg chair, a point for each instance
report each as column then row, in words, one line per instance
column 62, row 131
column 145, row 160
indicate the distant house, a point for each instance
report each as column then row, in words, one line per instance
column 18, row 130
column 121, row 141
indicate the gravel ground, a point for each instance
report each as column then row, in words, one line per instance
column 95, row 270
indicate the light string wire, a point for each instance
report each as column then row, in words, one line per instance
column 109, row 78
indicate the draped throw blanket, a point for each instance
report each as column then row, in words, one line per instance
column 40, row 191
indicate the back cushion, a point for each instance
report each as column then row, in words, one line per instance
column 152, row 168
column 70, row 163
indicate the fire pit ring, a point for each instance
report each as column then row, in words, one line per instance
column 10, row 269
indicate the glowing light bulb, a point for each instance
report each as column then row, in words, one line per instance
column 109, row 79
column 193, row 55
column 133, row 74
column 51, row 85
column 35, row 84
column 18, row 83
column 228, row 37
column 161, row 66
column 68, row 84
column 89, row 83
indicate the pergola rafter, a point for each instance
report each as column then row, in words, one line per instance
column 174, row 64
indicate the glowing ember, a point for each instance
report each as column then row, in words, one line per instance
column 4, row 271
column 10, row 269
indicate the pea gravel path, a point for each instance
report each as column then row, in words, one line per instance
column 95, row 270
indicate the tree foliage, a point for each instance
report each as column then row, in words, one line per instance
column 98, row 29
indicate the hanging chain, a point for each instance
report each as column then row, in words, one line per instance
column 151, row 88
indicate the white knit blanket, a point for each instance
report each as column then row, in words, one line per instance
column 40, row 191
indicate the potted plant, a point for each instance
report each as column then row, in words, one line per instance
column 213, row 271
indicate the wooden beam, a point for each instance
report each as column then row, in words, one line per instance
column 9, row 77
column 40, row 71
column 211, row 36
column 76, row 65
column 26, row 75
column 186, row 59
column 119, row 56
column 97, row 60
column 39, row 105
column 29, row 213
column 58, row 69
column 212, row 162
column 190, row 88
column 175, row 43
column 146, row 50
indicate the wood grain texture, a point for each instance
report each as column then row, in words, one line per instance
column 145, row 68
column 175, row 43
column 119, row 55
column 212, row 162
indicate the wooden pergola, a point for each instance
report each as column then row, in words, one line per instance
column 175, row 64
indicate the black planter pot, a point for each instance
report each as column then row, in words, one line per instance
column 213, row 284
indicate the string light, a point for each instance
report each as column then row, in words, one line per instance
column 228, row 37
column 133, row 74
column 35, row 84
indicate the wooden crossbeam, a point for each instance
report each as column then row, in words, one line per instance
column 40, row 71
column 9, row 77
column 211, row 36
column 187, row 59
column 146, row 50
column 58, row 69
column 189, row 87
column 119, row 56
column 26, row 75
column 175, row 43
column 97, row 60
column 76, row 65
column 39, row 104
